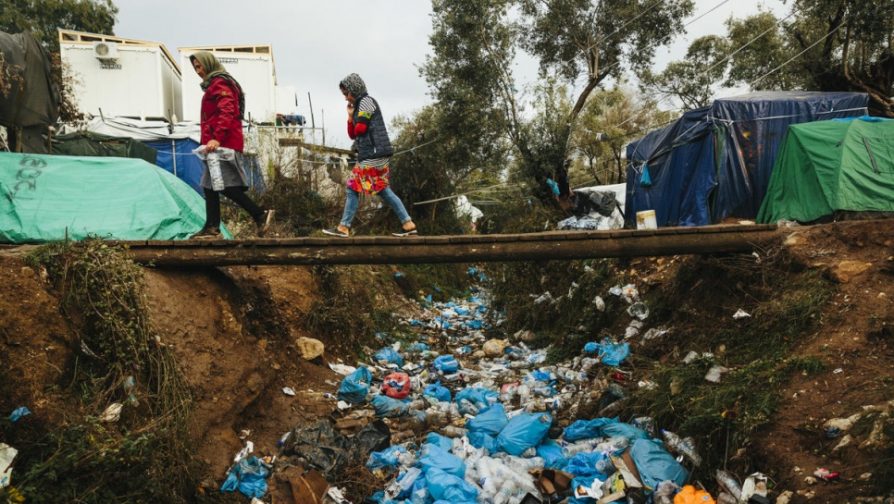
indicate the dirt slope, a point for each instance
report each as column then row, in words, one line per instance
column 856, row 341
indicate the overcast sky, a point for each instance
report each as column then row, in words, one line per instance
column 316, row 43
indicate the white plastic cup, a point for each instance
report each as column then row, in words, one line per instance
column 646, row 220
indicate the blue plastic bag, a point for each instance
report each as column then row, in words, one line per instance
column 444, row 442
column 524, row 431
column 435, row 457
column 419, row 494
column 591, row 348
column 624, row 430
column 445, row 486
column 655, row 464
column 18, row 413
column 613, row 354
column 389, row 355
column 419, row 347
column 355, row 386
column 478, row 397
column 552, row 454
column 553, row 186
column 389, row 458
column 491, row 421
column 586, row 429
column 474, row 324
column 589, row 464
column 541, row 375
column 483, row 440
column 446, row 364
column 645, row 180
column 437, row 391
column 389, row 407
column 602, row 427
column 249, row 476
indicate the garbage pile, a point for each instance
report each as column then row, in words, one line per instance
column 454, row 416
column 479, row 420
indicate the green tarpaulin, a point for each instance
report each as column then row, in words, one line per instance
column 46, row 198
column 829, row 166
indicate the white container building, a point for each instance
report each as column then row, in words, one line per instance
column 251, row 65
column 122, row 77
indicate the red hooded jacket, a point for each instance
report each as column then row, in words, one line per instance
column 220, row 115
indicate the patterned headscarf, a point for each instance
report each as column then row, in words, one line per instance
column 354, row 85
column 213, row 67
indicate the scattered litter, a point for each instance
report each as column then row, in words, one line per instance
column 342, row 369
column 462, row 415
column 112, row 413
column 838, row 371
column 244, row 452
column 690, row 495
column 7, row 454
column 842, row 424
column 628, row 293
column 654, row 334
column 638, row 310
column 249, row 476
column 355, row 386
column 684, row 446
column 337, row 495
column 716, row 373
column 546, row 297
column 740, row 314
column 633, row 329
column 755, row 485
column 396, row 385
column 18, row 413
column 826, row 475
column 289, row 391
column 388, row 355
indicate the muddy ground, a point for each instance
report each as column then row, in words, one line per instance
column 233, row 332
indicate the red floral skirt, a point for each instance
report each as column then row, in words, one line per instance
column 369, row 179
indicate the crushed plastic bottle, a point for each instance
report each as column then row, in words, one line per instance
column 728, row 482
column 212, row 159
column 684, row 446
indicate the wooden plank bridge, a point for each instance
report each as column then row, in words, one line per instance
column 554, row 245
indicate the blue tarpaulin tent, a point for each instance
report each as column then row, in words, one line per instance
column 715, row 162
column 175, row 156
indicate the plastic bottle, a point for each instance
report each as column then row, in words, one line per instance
column 213, row 161
column 728, row 483
column 684, row 446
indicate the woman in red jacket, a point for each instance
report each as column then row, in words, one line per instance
column 222, row 110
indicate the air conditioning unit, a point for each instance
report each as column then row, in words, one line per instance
column 105, row 50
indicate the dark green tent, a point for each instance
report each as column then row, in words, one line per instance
column 826, row 167
column 86, row 143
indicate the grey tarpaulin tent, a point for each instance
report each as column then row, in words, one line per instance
column 32, row 103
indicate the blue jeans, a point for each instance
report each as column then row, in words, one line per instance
column 352, row 201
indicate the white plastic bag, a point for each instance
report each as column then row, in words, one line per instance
column 212, row 159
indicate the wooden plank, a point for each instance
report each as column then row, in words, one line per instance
column 384, row 250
